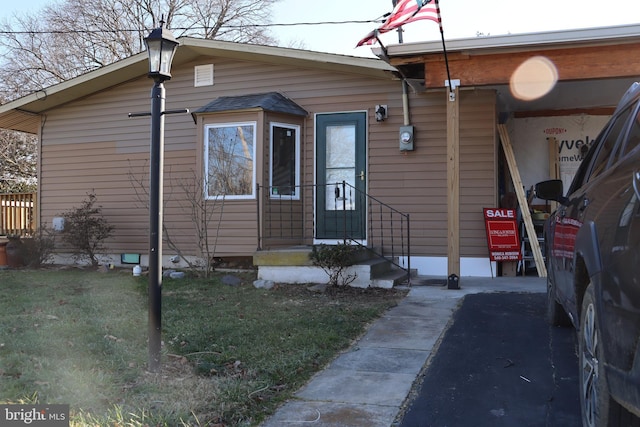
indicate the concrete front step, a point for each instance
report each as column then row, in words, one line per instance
column 391, row 279
column 293, row 265
column 312, row 274
column 299, row 255
column 295, row 256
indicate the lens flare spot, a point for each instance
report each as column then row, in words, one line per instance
column 534, row 78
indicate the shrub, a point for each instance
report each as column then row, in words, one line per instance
column 85, row 229
column 334, row 260
column 37, row 250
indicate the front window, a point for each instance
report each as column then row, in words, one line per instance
column 285, row 167
column 609, row 143
column 230, row 160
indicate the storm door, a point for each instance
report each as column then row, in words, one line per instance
column 341, row 176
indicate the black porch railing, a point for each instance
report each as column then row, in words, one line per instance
column 286, row 217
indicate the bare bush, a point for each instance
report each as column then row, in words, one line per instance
column 86, row 229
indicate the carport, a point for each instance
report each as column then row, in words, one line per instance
column 586, row 71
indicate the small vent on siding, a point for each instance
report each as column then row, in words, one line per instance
column 203, row 75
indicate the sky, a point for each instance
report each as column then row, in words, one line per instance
column 460, row 19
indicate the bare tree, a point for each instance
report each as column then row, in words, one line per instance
column 18, row 162
column 72, row 37
column 67, row 39
column 204, row 213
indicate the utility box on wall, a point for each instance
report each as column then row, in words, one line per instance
column 58, row 223
column 406, row 138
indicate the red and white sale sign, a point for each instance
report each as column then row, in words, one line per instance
column 502, row 234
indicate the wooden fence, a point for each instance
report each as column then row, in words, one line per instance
column 17, row 214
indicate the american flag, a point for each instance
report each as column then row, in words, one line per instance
column 404, row 12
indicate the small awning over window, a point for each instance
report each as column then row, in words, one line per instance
column 270, row 101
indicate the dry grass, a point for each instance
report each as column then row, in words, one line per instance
column 231, row 354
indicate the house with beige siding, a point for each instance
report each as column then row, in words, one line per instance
column 291, row 129
column 284, row 149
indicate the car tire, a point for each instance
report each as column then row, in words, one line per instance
column 556, row 315
column 597, row 407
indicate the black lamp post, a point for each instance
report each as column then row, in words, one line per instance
column 161, row 46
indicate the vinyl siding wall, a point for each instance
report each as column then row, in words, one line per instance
column 415, row 182
column 92, row 145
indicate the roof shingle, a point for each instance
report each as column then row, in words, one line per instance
column 270, row 101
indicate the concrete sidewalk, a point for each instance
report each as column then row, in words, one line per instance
column 368, row 384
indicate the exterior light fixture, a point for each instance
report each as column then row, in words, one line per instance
column 161, row 46
column 381, row 113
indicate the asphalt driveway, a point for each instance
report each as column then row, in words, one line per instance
column 500, row 364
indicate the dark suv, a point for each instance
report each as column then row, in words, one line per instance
column 593, row 262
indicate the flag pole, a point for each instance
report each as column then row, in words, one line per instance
column 444, row 50
column 384, row 49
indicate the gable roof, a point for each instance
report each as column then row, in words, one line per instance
column 23, row 114
column 270, row 101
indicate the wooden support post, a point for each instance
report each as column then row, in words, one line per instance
column 453, row 182
column 522, row 200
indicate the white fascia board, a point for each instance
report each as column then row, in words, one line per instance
column 618, row 34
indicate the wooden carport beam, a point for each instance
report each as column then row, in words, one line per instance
column 574, row 63
column 522, row 201
column 453, row 183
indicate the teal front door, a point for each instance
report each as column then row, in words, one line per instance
column 341, row 176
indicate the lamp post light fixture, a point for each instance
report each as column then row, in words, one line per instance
column 161, row 46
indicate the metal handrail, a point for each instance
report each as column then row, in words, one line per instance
column 285, row 219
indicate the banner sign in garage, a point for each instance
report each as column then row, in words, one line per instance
column 502, row 234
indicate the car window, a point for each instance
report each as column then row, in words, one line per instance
column 633, row 139
column 629, row 211
column 581, row 174
column 608, row 144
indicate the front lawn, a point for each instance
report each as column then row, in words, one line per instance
column 231, row 354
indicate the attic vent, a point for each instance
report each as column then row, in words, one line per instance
column 203, row 75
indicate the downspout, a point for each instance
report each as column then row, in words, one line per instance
column 405, row 85
column 405, row 102
column 38, row 211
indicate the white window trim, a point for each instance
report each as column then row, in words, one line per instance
column 296, row 196
column 250, row 196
